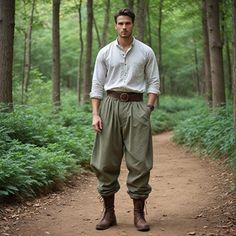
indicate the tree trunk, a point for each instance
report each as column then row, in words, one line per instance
column 141, row 19
column 197, row 76
column 27, row 55
column 87, row 65
column 97, row 33
column 56, row 53
column 225, row 39
column 130, row 4
column 216, row 58
column 234, row 66
column 106, row 22
column 79, row 77
column 229, row 67
column 207, row 65
column 7, row 23
column 149, row 40
column 159, row 46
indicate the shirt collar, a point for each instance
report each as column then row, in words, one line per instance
column 132, row 44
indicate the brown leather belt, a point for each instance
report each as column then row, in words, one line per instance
column 126, row 96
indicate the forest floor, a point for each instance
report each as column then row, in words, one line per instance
column 191, row 195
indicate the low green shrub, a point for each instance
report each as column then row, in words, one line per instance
column 172, row 110
column 209, row 131
column 39, row 147
column 26, row 169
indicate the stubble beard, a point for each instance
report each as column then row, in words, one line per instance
column 126, row 36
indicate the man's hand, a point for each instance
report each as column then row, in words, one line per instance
column 97, row 123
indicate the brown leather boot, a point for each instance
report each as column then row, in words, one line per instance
column 109, row 217
column 139, row 219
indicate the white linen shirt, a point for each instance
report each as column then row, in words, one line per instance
column 133, row 71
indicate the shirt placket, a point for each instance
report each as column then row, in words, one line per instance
column 124, row 67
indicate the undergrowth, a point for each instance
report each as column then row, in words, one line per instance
column 40, row 147
column 210, row 132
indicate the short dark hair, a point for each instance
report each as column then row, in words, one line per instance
column 124, row 12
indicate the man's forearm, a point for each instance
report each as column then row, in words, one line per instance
column 152, row 99
column 95, row 106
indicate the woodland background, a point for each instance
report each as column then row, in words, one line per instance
column 47, row 54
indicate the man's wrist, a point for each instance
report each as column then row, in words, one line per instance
column 150, row 106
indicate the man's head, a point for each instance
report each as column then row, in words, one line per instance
column 124, row 12
column 124, row 22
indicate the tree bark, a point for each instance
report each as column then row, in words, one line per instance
column 87, row 65
column 234, row 66
column 106, row 22
column 79, row 77
column 27, row 55
column 130, row 4
column 229, row 67
column 207, row 65
column 159, row 46
column 141, row 19
column 7, row 24
column 149, row 40
column 216, row 58
column 225, row 39
column 197, row 73
column 56, row 53
column 97, row 33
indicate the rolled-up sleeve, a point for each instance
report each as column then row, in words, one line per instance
column 99, row 77
column 152, row 74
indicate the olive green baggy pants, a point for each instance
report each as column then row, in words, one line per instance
column 126, row 132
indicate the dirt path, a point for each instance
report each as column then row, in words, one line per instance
column 187, row 199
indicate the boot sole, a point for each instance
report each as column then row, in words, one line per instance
column 106, row 227
column 143, row 230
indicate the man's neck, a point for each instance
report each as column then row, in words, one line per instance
column 125, row 42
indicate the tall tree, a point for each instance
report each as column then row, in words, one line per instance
column 56, row 52
column 7, row 23
column 27, row 54
column 141, row 19
column 216, row 58
column 79, row 73
column 207, row 66
column 234, row 65
column 106, row 22
column 196, row 74
column 97, row 33
column 226, row 42
column 229, row 66
column 159, row 46
column 149, row 37
column 87, row 65
column 130, row 4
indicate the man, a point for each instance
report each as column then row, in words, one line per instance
column 124, row 70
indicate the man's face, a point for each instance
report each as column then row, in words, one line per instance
column 124, row 26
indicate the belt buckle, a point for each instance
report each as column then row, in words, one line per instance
column 124, row 97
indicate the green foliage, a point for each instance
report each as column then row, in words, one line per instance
column 39, row 147
column 172, row 110
column 211, row 132
column 181, row 38
column 26, row 169
column 196, row 126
